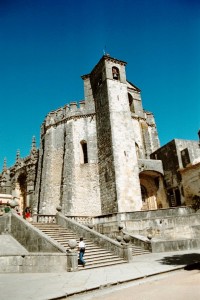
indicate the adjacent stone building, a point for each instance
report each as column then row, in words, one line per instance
column 191, row 184
column 20, row 179
column 181, row 159
column 95, row 156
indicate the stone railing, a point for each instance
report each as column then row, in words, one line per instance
column 31, row 237
column 122, row 249
column 5, row 223
column 139, row 240
column 82, row 219
column 39, row 218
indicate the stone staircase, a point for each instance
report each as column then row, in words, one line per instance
column 94, row 255
column 137, row 250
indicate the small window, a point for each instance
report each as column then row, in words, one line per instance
column 131, row 105
column 115, row 72
column 137, row 150
column 85, row 152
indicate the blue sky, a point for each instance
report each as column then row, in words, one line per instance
column 45, row 46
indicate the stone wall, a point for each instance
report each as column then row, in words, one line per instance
column 81, row 180
column 107, row 176
column 193, row 150
column 30, row 237
column 85, row 232
column 119, row 180
column 173, row 161
column 150, row 165
column 50, row 258
column 5, row 223
column 52, row 169
column 123, row 147
column 191, row 184
column 176, row 245
column 34, row 263
column 171, row 223
column 64, row 178
column 167, row 154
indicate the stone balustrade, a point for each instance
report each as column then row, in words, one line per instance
column 82, row 219
column 40, row 218
column 120, row 249
column 139, row 240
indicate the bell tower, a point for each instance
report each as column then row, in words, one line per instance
column 118, row 167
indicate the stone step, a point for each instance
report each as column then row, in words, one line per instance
column 95, row 256
column 139, row 251
column 88, row 253
column 62, row 236
column 90, row 260
column 57, row 232
column 94, row 251
column 107, row 264
column 90, row 245
column 97, row 250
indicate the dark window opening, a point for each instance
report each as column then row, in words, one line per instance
column 144, row 193
column 85, row 152
column 131, row 105
column 178, row 197
column 137, row 151
column 171, row 197
column 115, row 72
column 174, row 197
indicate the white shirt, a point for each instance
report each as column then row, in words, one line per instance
column 81, row 244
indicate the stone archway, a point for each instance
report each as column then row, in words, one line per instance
column 153, row 196
column 144, row 193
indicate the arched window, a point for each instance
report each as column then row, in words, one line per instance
column 131, row 105
column 84, row 151
column 115, row 73
column 137, row 150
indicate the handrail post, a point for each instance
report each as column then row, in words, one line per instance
column 72, row 256
column 127, row 248
column 127, row 252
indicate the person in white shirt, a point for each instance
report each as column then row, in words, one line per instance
column 81, row 248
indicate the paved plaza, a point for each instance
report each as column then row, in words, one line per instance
column 46, row 286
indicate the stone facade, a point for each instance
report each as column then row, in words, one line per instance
column 191, row 184
column 19, row 180
column 94, row 156
column 180, row 160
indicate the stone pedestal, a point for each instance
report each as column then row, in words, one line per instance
column 127, row 252
column 72, row 261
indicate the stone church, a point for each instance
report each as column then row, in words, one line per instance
column 95, row 156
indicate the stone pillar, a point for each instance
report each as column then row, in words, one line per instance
column 127, row 252
column 72, row 261
column 127, row 248
column 72, row 256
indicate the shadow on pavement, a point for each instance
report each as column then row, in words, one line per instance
column 192, row 261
